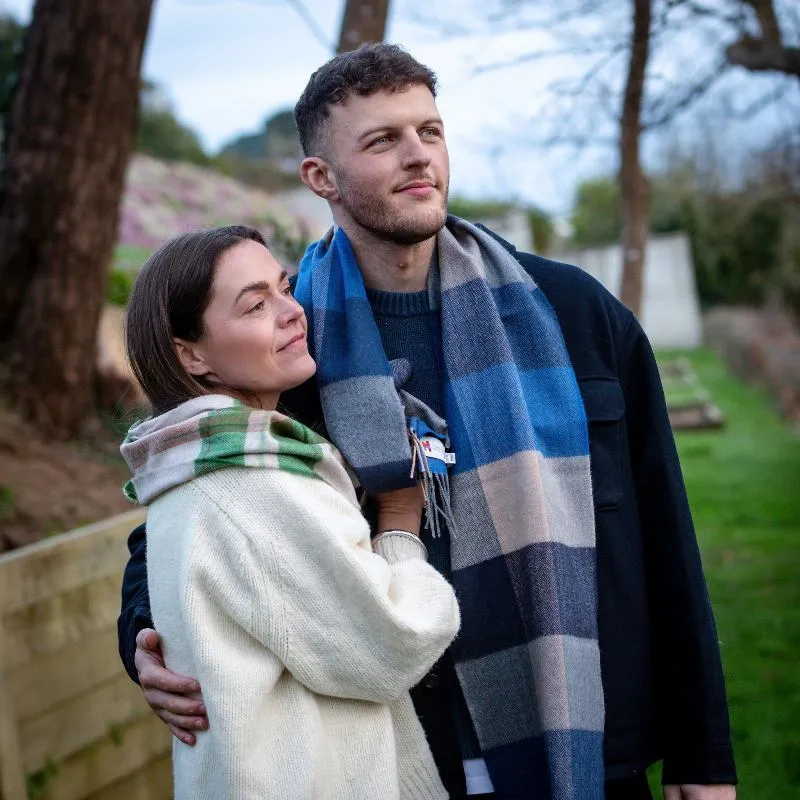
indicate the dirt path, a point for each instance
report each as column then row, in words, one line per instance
column 48, row 488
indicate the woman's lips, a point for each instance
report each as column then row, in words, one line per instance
column 300, row 338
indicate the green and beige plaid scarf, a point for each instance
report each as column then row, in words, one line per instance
column 216, row 431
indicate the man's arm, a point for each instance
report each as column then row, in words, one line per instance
column 690, row 688
column 135, row 613
column 140, row 650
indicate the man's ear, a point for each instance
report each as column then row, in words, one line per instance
column 316, row 173
column 191, row 357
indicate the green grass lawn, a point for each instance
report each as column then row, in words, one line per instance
column 744, row 487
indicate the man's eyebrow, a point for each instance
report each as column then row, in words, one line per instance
column 259, row 286
column 373, row 131
column 432, row 121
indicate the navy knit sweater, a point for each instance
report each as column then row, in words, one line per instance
column 410, row 329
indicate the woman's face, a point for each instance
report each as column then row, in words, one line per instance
column 254, row 338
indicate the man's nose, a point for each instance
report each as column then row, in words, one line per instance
column 415, row 153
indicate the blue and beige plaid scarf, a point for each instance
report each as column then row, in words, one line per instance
column 523, row 543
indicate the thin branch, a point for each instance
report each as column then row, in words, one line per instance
column 541, row 55
column 311, row 23
column 579, row 10
column 666, row 111
column 758, row 55
column 297, row 5
column 737, row 19
column 758, row 105
column 767, row 21
column 450, row 29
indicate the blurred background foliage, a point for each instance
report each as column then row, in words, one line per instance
column 745, row 238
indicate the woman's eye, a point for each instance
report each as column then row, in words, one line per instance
column 257, row 307
column 288, row 291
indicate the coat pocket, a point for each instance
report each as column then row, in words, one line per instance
column 605, row 408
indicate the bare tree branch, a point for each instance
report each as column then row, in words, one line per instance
column 608, row 52
column 311, row 23
column 668, row 109
column 767, row 21
column 768, row 52
column 753, row 108
column 757, row 55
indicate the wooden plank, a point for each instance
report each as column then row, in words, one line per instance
column 49, row 680
column 60, row 621
column 129, row 750
column 79, row 722
column 152, row 783
column 12, row 777
column 49, row 568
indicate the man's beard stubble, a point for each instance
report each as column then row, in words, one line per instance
column 384, row 223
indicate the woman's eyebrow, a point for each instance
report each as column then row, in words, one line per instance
column 259, row 286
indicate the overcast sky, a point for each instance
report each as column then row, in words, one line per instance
column 228, row 64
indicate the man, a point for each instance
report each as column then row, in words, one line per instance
column 526, row 703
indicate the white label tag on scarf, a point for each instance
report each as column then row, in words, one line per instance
column 434, row 448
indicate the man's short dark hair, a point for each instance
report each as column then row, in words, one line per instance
column 371, row 68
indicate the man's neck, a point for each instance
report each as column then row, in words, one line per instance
column 392, row 267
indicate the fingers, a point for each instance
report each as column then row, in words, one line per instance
column 148, row 639
column 672, row 793
column 182, row 735
column 182, row 725
column 175, row 704
column 154, row 676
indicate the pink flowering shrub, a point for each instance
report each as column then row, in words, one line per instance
column 164, row 199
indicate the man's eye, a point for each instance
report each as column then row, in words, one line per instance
column 430, row 132
column 380, row 140
column 288, row 291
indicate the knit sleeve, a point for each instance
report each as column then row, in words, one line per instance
column 135, row 611
column 344, row 620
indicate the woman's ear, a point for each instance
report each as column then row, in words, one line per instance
column 318, row 176
column 191, row 357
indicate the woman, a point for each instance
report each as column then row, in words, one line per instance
column 304, row 635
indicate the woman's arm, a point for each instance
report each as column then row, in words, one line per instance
column 346, row 621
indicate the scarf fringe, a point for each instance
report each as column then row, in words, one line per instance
column 435, row 489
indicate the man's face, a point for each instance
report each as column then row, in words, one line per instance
column 389, row 163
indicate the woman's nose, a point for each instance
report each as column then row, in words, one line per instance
column 290, row 310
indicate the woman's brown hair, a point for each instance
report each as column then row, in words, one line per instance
column 171, row 293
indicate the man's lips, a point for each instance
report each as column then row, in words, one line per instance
column 417, row 188
column 294, row 340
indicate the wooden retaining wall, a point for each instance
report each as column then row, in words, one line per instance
column 72, row 724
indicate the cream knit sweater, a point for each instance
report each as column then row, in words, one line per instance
column 264, row 586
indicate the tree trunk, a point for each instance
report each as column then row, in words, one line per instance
column 363, row 21
column 635, row 189
column 72, row 131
